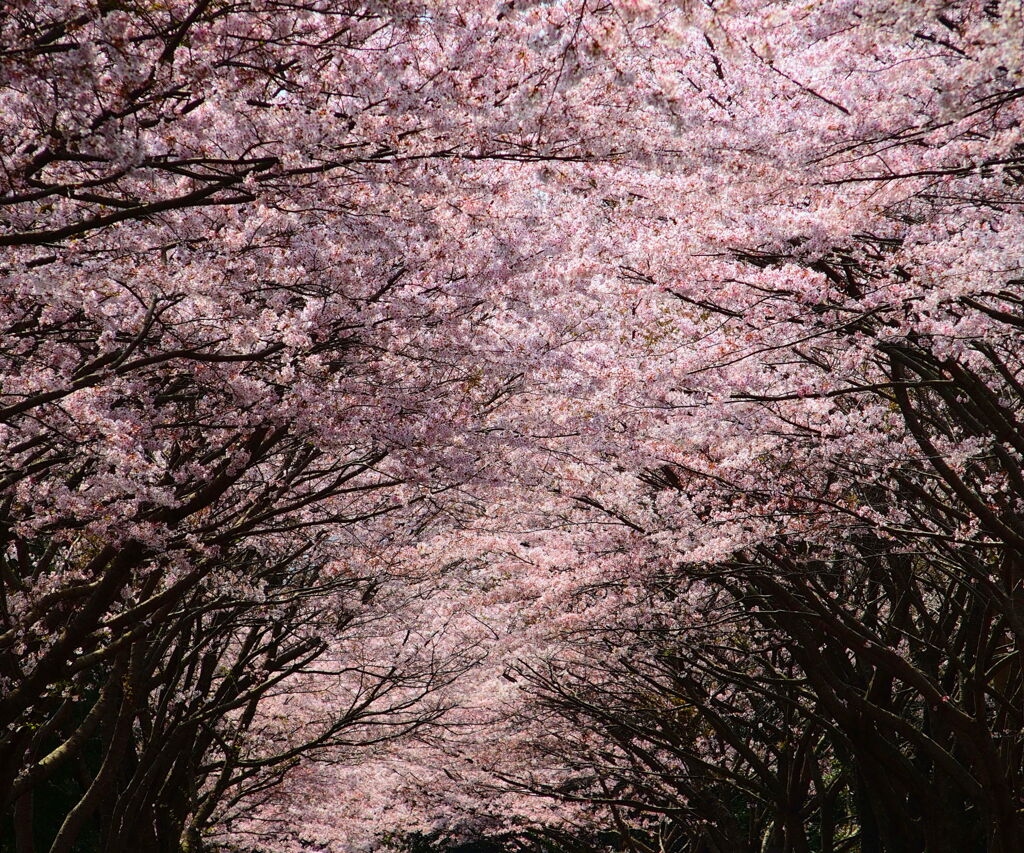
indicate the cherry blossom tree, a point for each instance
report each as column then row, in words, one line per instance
column 813, row 449
column 247, row 346
column 557, row 421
